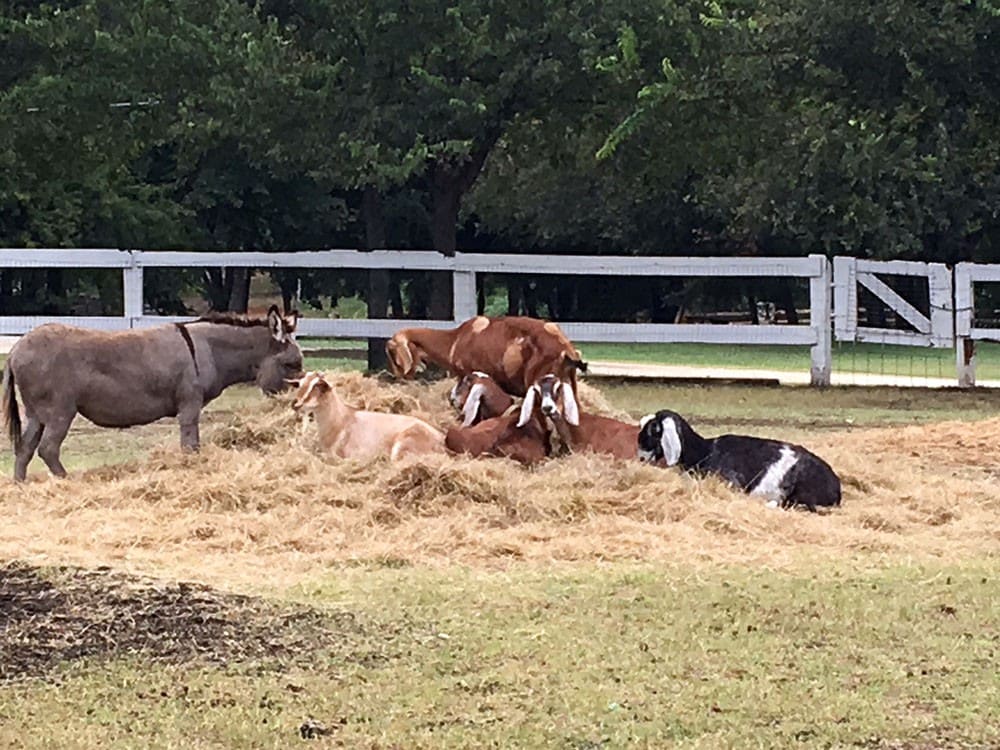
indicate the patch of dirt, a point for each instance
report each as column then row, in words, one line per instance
column 52, row 616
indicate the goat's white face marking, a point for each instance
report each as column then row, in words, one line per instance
column 471, row 409
column 549, row 406
column 770, row 484
column 670, row 441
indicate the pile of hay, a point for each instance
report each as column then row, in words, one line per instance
column 258, row 503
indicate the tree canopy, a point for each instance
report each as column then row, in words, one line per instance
column 666, row 127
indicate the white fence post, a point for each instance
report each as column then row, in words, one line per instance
column 132, row 289
column 965, row 346
column 464, row 291
column 821, row 355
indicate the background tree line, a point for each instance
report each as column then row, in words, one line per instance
column 771, row 127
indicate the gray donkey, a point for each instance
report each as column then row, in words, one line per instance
column 135, row 377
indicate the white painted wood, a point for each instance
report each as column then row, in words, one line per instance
column 887, row 294
column 464, row 267
column 845, row 298
column 964, row 307
column 690, row 333
column 939, row 281
column 980, row 271
column 599, row 265
column 965, row 347
column 132, row 293
column 16, row 325
column 821, row 355
column 62, row 258
column 897, row 267
column 464, row 292
column 870, row 335
column 406, row 260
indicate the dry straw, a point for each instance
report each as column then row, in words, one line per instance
column 257, row 504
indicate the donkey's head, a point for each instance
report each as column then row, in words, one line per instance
column 555, row 399
column 284, row 358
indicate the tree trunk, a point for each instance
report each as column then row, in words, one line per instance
column 395, row 297
column 786, row 300
column 239, row 289
column 378, row 280
column 513, row 296
column 449, row 180
column 480, row 295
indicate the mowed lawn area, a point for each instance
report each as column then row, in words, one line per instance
column 867, row 646
column 884, row 359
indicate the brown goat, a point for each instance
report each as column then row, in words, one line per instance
column 477, row 396
column 580, row 432
column 502, row 437
column 514, row 351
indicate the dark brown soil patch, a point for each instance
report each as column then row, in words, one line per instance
column 52, row 616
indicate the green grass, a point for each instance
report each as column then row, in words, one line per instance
column 861, row 358
column 592, row 657
column 869, row 358
column 773, row 411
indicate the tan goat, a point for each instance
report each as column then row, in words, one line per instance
column 580, row 432
column 354, row 433
column 514, row 351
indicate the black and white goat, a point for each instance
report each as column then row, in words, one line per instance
column 783, row 473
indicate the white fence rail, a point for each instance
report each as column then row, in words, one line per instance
column 947, row 321
column 936, row 328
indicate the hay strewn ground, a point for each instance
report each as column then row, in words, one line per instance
column 258, row 506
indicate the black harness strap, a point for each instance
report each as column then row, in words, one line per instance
column 185, row 334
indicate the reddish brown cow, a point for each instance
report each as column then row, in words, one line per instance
column 514, row 351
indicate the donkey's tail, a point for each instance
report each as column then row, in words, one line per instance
column 8, row 402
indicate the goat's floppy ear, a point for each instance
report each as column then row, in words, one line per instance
column 528, row 406
column 645, row 420
column 471, row 409
column 670, row 441
column 274, row 324
column 400, row 357
column 570, row 409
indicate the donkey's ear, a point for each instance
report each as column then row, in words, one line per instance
column 274, row 324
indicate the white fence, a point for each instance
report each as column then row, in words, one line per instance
column 935, row 329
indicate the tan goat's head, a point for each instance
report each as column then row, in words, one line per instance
column 310, row 389
column 554, row 397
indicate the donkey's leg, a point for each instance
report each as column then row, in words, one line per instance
column 50, row 444
column 29, row 442
column 188, row 416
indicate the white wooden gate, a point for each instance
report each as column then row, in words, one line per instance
column 936, row 328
